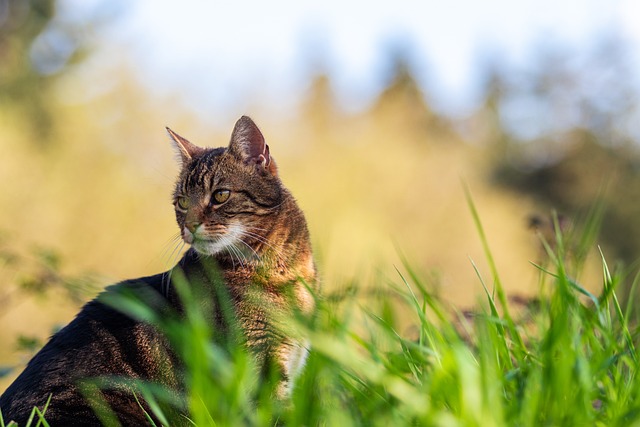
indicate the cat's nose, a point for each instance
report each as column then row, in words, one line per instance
column 192, row 226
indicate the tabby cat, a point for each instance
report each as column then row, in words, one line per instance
column 234, row 211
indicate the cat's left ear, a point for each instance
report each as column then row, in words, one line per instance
column 186, row 149
column 248, row 143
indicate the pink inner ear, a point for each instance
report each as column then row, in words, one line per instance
column 247, row 140
column 256, row 146
column 265, row 158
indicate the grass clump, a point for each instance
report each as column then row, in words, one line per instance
column 568, row 358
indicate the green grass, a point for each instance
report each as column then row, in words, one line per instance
column 566, row 359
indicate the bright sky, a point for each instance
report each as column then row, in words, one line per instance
column 218, row 51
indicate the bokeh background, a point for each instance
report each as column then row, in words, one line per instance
column 378, row 115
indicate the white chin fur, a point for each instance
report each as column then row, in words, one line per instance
column 212, row 247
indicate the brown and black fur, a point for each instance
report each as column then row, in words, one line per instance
column 258, row 241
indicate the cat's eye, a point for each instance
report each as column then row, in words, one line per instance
column 221, row 196
column 183, row 203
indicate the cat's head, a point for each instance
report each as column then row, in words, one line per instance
column 227, row 199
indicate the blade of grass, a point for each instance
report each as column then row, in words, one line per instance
column 572, row 283
column 428, row 298
column 146, row 414
column 610, row 290
column 494, row 271
column 630, row 299
column 504, row 346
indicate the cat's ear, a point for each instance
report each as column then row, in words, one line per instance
column 186, row 149
column 249, row 145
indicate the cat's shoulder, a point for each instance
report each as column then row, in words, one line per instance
column 150, row 291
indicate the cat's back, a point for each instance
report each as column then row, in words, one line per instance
column 101, row 343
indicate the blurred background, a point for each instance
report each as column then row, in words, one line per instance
column 378, row 117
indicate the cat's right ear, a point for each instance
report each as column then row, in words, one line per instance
column 186, row 149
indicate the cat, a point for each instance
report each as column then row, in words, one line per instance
column 237, row 216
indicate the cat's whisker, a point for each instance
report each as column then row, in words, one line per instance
column 169, row 244
column 262, row 239
column 233, row 264
column 252, row 229
column 243, row 252
column 256, row 228
column 278, row 251
column 277, row 206
column 170, row 260
column 233, row 251
column 175, row 252
column 241, row 257
column 266, row 244
column 255, row 235
column 167, row 286
column 250, row 248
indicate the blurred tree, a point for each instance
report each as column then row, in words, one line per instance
column 37, row 44
column 21, row 85
column 403, row 101
column 566, row 133
column 486, row 125
column 319, row 107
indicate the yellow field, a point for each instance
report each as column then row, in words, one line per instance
column 370, row 184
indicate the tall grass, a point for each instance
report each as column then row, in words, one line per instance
column 568, row 357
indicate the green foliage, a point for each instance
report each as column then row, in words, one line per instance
column 21, row 22
column 36, row 46
column 41, row 271
column 568, row 358
column 37, row 274
column 571, row 360
column 36, row 418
